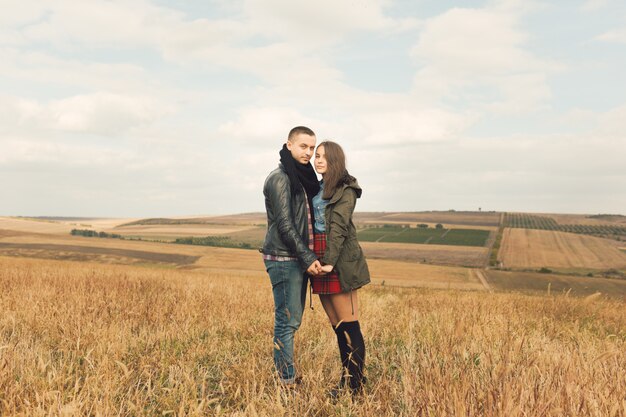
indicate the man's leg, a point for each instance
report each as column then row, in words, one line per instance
column 289, row 288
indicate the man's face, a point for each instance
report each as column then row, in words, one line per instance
column 301, row 147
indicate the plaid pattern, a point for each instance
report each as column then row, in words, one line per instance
column 329, row 283
column 310, row 224
column 268, row 257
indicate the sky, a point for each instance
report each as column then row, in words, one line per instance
column 137, row 108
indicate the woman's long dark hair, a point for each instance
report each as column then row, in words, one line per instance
column 336, row 172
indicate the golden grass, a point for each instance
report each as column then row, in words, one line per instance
column 582, row 219
column 447, row 217
column 556, row 283
column 88, row 339
column 28, row 225
column 526, row 248
column 422, row 275
column 90, row 242
column 100, row 224
column 177, row 230
column 437, row 254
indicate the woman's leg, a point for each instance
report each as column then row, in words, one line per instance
column 329, row 309
column 345, row 305
column 349, row 337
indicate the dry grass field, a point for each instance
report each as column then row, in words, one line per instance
column 34, row 226
column 586, row 219
column 170, row 232
column 127, row 252
column 410, row 274
column 527, row 248
column 433, row 254
column 555, row 283
column 88, row 339
column 394, row 264
column 58, row 226
column 242, row 219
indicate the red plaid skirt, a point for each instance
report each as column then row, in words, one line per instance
column 325, row 284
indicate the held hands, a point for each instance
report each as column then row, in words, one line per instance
column 316, row 268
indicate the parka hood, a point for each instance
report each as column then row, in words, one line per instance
column 351, row 183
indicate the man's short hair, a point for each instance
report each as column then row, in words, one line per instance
column 297, row 130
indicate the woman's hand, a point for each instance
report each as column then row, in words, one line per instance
column 327, row 268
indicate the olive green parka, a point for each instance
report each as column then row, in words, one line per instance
column 342, row 248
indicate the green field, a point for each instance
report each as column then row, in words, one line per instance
column 397, row 234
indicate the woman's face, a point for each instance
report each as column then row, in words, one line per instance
column 320, row 160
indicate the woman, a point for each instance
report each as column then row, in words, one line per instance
column 342, row 259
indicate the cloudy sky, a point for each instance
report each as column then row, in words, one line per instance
column 167, row 107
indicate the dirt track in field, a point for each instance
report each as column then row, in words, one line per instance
column 526, row 248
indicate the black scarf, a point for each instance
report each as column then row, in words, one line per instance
column 300, row 174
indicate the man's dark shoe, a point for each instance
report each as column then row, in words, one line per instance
column 295, row 384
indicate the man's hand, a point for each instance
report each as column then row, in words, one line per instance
column 327, row 268
column 315, row 268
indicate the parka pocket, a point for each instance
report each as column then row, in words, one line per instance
column 351, row 251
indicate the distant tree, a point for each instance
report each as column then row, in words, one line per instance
column 439, row 226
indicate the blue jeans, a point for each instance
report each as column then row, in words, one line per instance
column 289, row 288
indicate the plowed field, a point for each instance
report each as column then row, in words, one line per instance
column 526, row 248
column 432, row 254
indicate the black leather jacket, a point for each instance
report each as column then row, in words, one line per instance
column 287, row 219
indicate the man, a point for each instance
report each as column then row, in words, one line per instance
column 287, row 249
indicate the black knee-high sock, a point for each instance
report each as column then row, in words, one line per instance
column 352, row 350
column 342, row 342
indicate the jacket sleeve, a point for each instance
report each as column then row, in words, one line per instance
column 280, row 198
column 337, row 230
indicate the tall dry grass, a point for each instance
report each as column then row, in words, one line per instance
column 88, row 339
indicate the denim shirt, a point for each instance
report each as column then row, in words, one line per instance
column 319, row 208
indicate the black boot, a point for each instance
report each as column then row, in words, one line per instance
column 343, row 355
column 352, row 352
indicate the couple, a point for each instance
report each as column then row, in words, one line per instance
column 311, row 234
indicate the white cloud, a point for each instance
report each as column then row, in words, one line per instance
column 265, row 124
column 613, row 123
column 104, row 113
column 592, row 5
column 100, row 23
column 478, row 55
column 100, row 113
column 402, row 127
column 315, row 22
column 219, row 93
column 617, row 36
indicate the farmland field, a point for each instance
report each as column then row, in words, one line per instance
column 527, row 248
column 89, row 339
column 177, row 230
column 556, row 283
column 433, row 254
column 448, row 217
column 397, row 234
column 592, row 220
